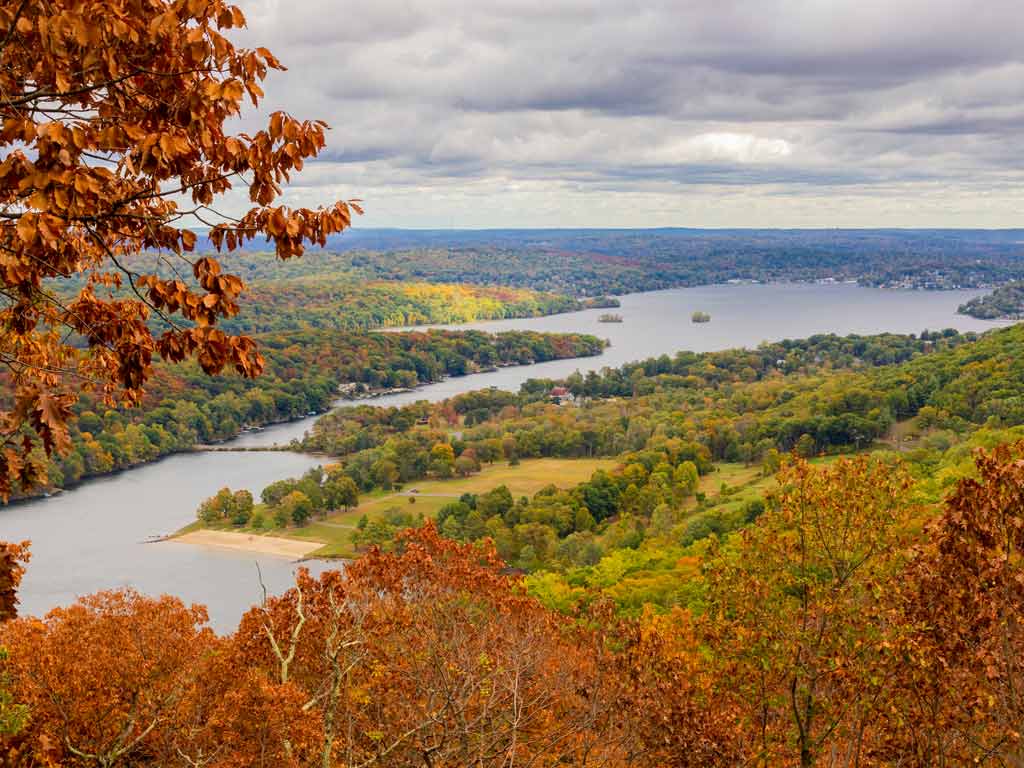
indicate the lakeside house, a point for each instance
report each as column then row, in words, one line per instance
column 562, row 396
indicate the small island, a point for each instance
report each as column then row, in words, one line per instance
column 700, row 317
column 609, row 318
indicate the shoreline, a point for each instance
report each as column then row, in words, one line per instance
column 225, row 446
column 343, row 401
column 276, row 546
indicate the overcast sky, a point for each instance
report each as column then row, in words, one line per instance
column 766, row 113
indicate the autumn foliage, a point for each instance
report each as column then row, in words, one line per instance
column 428, row 657
column 832, row 634
column 114, row 136
column 960, row 673
column 12, row 567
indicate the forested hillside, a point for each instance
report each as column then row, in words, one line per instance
column 840, row 391
column 343, row 303
column 325, row 290
column 593, row 262
column 306, row 371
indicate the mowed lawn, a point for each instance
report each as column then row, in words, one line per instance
column 430, row 495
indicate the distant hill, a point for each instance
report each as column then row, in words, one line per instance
column 595, row 261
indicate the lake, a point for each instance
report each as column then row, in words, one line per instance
column 659, row 322
column 93, row 537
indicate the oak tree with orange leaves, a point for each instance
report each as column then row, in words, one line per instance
column 433, row 657
column 793, row 612
column 119, row 679
column 114, row 133
column 427, row 657
column 959, row 653
column 674, row 709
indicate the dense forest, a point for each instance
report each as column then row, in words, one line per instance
column 324, row 290
column 326, row 302
column 591, row 263
column 595, row 262
column 306, row 371
column 1006, row 301
column 828, row 387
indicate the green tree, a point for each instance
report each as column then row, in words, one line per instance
column 277, row 490
column 583, row 520
column 466, row 466
column 242, row 505
column 474, row 527
column 297, row 507
column 805, row 446
column 686, row 478
column 495, row 502
column 218, row 507
column 385, row 473
column 13, row 716
column 340, row 491
column 442, row 460
column 451, row 529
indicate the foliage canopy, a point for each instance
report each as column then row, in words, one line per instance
column 114, row 129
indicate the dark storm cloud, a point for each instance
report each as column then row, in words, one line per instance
column 916, row 97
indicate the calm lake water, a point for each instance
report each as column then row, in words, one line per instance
column 659, row 322
column 93, row 537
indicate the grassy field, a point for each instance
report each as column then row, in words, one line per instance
column 741, row 484
column 729, row 487
column 428, row 496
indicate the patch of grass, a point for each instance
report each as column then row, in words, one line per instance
column 733, row 475
column 525, row 479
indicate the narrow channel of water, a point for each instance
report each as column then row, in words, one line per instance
column 659, row 323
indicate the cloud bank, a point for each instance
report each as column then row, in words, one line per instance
column 506, row 113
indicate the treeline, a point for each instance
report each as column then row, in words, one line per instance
column 738, row 403
column 1005, row 302
column 294, row 501
column 579, row 263
column 748, row 407
column 592, row 262
column 325, row 301
column 305, row 373
column 826, row 397
column 833, row 631
column 326, row 291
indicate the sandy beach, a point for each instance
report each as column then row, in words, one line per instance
column 247, row 542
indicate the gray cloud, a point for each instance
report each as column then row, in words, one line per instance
column 688, row 112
